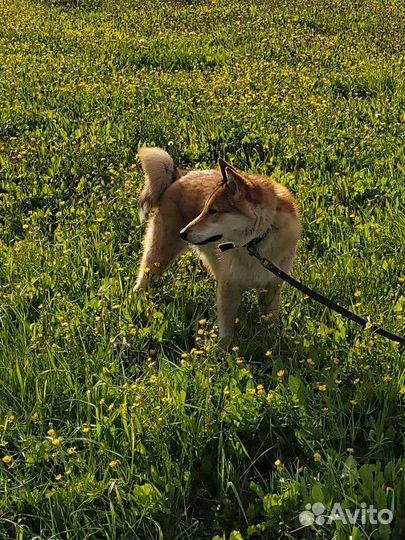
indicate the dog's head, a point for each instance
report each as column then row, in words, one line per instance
column 229, row 212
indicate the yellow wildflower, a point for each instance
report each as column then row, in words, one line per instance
column 260, row 390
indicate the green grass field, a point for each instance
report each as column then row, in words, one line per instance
column 121, row 417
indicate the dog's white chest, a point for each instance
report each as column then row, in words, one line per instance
column 247, row 271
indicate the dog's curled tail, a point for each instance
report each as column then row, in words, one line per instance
column 160, row 171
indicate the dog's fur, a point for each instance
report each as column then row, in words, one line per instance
column 206, row 208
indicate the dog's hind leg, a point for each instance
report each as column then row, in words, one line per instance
column 161, row 246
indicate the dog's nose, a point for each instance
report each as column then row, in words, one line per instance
column 183, row 235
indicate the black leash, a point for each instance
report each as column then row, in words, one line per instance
column 252, row 248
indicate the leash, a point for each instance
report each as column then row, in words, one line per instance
column 253, row 251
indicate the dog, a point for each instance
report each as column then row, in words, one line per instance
column 208, row 207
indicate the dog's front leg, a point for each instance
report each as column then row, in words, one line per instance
column 228, row 300
column 269, row 300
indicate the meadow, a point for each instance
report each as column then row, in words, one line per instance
column 121, row 416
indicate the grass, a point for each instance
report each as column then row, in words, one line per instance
column 120, row 415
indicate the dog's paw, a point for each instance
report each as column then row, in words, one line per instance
column 139, row 287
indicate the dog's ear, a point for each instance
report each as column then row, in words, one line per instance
column 235, row 182
column 223, row 165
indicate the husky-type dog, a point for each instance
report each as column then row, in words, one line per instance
column 206, row 208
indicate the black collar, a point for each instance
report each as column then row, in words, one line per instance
column 254, row 242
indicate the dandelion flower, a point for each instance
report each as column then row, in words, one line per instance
column 114, row 463
column 281, row 373
column 322, row 387
column 260, row 390
column 317, row 456
column 51, row 432
column 267, row 317
column 56, row 442
column 8, row 460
